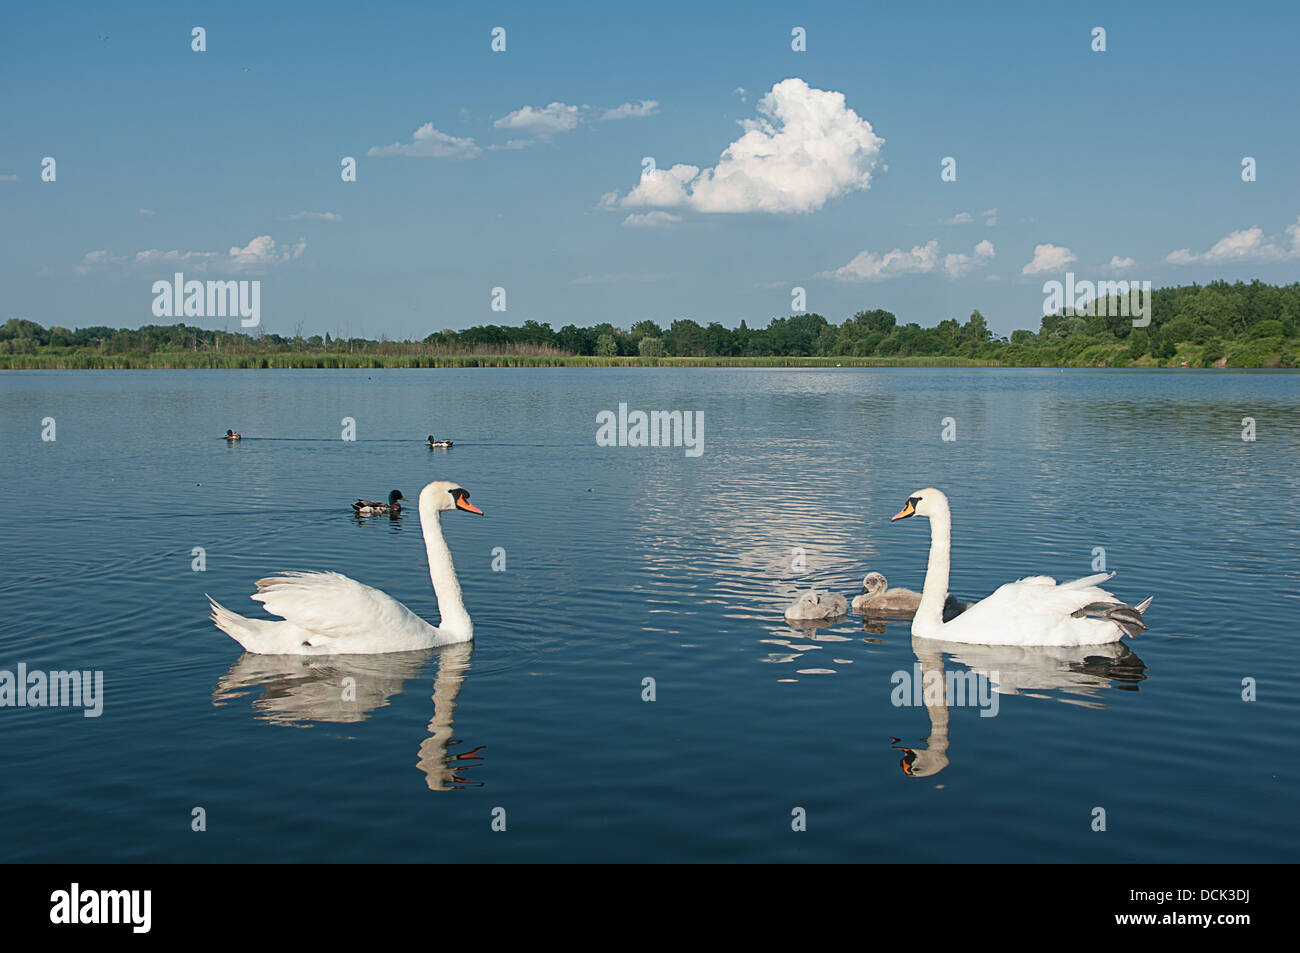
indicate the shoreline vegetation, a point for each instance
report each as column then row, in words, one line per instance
column 1216, row 325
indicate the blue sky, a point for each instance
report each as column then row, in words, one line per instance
column 230, row 158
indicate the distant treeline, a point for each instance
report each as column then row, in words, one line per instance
column 1237, row 325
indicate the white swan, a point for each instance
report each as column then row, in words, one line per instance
column 1030, row 611
column 326, row 613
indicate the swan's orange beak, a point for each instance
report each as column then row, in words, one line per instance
column 904, row 513
column 463, row 503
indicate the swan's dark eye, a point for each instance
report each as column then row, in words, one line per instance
column 914, row 500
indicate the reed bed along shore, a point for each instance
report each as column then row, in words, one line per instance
column 212, row 361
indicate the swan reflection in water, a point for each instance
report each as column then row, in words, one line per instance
column 1081, row 672
column 302, row 690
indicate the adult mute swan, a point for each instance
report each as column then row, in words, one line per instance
column 1031, row 611
column 326, row 613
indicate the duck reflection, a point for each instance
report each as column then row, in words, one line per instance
column 1081, row 672
column 302, row 690
column 393, row 519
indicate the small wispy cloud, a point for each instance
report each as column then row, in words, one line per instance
column 9, row 177
column 541, row 121
column 428, row 143
column 314, row 217
column 647, row 107
column 1117, row 263
column 990, row 216
column 651, row 220
column 146, row 213
column 616, row 278
column 95, row 259
column 259, row 254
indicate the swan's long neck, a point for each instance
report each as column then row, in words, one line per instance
column 451, row 607
column 929, row 614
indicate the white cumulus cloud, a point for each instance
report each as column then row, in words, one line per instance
column 1048, row 257
column 868, row 266
column 1119, row 264
column 428, row 143
column 806, row 148
column 262, row 252
column 956, row 265
column 1245, row 245
column 921, row 260
column 961, row 218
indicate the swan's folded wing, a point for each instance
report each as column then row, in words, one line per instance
column 1035, row 596
column 330, row 604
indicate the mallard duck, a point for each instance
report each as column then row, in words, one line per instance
column 371, row 508
column 438, row 443
column 231, row 435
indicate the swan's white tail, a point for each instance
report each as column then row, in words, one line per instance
column 244, row 631
column 1144, row 604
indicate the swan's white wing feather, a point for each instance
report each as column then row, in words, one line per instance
column 1087, row 581
column 332, row 606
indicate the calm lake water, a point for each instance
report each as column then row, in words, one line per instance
column 623, row 564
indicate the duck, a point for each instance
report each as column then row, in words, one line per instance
column 231, row 435
column 438, row 443
column 371, row 508
column 877, row 599
column 816, row 605
column 327, row 613
column 1035, row 610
